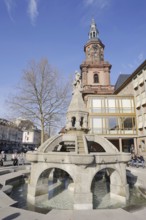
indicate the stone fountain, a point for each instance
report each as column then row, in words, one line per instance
column 81, row 155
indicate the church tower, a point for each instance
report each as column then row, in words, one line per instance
column 95, row 70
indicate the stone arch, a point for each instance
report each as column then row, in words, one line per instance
column 99, row 169
column 38, row 187
column 100, row 187
column 118, row 187
column 49, row 168
column 107, row 145
column 50, row 144
column 113, row 172
column 57, row 181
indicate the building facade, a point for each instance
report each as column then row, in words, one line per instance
column 18, row 136
column 10, row 136
column 135, row 85
column 117, row 112
column 31, row 138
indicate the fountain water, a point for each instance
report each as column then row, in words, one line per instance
column 61, row 190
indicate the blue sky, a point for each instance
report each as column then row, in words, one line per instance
column 58, row 31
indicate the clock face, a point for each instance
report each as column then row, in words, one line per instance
column 95, row 47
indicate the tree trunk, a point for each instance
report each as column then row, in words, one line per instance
column 42, row 131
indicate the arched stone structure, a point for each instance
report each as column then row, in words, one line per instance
column 81, row 167
column 77, row 160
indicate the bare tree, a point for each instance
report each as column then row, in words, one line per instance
column 42, row 96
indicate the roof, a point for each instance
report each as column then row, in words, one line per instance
column 131, row 76
column 6, row 122
column 121, row 79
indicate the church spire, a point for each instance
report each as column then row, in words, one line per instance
column 93, row 33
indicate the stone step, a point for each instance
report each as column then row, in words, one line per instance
column 80, row 144
column 81, row 151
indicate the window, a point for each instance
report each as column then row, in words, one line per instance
column 97, row 105
column 81, row 122
column 113, row 123
column 110, row 105
column 73, row 121
column 101, row 57
column 97, row 125
column 96, row 79
column 127, row 123
column 127, row 105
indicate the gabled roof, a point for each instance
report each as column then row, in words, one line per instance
column 121, row 79
column 131, row 76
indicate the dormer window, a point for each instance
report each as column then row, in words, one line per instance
column 96, row 78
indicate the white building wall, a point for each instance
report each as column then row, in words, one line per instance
column 28, row 137
column 139, row 88
column 31, row 137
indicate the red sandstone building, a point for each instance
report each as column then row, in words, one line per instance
column 118, row 112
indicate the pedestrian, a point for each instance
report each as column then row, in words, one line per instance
column 15, row 159
column 1, row 160
column 132, row 149
column 4, row 157
column 21, row 158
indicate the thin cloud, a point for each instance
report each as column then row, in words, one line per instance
column 131, row 66
column 100, row 4
column 33, row 10
column 10, row 4
column 94, row 9
column 138, row 60
column 140, row 57
column 135, row 63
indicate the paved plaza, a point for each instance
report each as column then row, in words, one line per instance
column 10, row 213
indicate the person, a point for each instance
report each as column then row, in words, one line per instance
column 129, row 148
column 4, row 157
column 132, row 149
column 133, row 160
column 21, row 159
column 1, row 160
column 15, row 159
column 141, row 160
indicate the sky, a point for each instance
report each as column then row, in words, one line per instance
column 58, row 30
